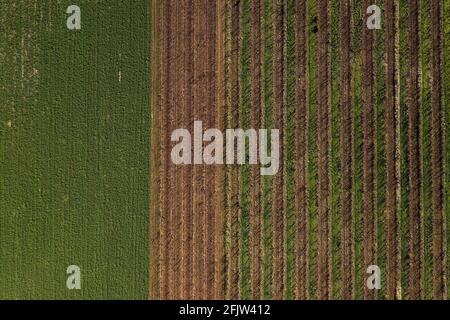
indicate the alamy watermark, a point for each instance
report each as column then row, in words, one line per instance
column 74, row 277
column 374, row 20
column 373, row 281
column 74, row 20
column 192, row 150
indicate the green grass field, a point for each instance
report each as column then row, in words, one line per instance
column 74, row 149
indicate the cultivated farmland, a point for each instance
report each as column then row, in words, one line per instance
column 356, row 142
column 74, row 149
column 86, row 171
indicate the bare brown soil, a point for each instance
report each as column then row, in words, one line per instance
column 175, row 115
column 198, row 179
column 204, row 104
column 187, row 171
column 183, row 224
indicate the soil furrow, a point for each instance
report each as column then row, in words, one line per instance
column 257, row 94
column 165, row 98
column 187, row 243
column 279, row 119
column 186, row 178
column 437, row 155
column 369, row 219
column 174, row 112
column 324, row 261
column 220, row 171
column 210, row 170
column 346, row 148
column 233, row 259
column 301, row 286
column 165, row 153
column 414, row 146
column 200, row 100
column 392, row 136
